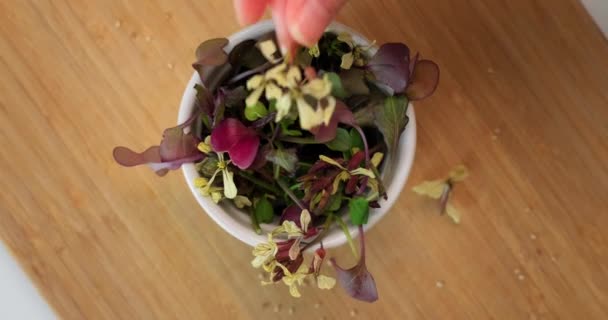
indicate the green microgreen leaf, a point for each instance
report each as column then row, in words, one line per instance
column 353, row 81
column 358, row 209
column 264, row 212
column 355, row 139
column 391, row 118
column 342, row 142
column 255, row 111
column 337, row 90
column 284, row 158
column 335, row 202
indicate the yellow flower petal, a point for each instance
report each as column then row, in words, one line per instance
column 459, row 173
column 432, row 189
column 328, row 110
column 268, row 49
column 283, row 107
column 264, row 252
column 254, row 96
column 363, row 172
column 347, row 61
column 309, row 118
column 293, row 290
column 200, row 182
column 242, row 201
column 305, row 219
column 291, row 229
column 230, row 190
column 294, row 251
column 204, row 147
column 318, row 88
column 325, row 282
column 278, row 74
column 347, row 38
column 294, row 76
column 255, row 82
column 331, row 161
column 453, row 213
column 216, row 196
column 377, row 159
column 342, row 176
column 273, row 92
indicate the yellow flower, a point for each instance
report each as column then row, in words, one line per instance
column 264, row 253
column 347, row 61
column 355, row 56
column 325, row 282
column 319, row 89
column 268, row 50
column 357, row 171
column 242, row 201
column 230, row 190
column 293, row 280
column 314, row 51
column 377, row 159
column 205, row 146
column 201, row 182
column 289, row 228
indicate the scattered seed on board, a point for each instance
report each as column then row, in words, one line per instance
column 516, row 271
column 497, row 130
column 490, row 70
column 494, row 137
column 353, row 313
column 532, row 236
column 265, row 305
column 291, row 310
column 277, row 308
column 521, row 277
column 169, row 65
column 260, row 276
column 117, row 24
column 148, row 38
column 439, row 284
column 317, row 305
column 527, row 209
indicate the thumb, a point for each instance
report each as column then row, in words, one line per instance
column 308, row 19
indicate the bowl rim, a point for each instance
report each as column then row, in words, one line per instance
column 405, row 156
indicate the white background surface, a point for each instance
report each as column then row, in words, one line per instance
column 20, row 300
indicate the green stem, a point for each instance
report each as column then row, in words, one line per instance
column 254, row 222
column 299, row 140
column 290, row 193
column 326, row 226
column 349, row 238
column 258, row 182
column 305, row 164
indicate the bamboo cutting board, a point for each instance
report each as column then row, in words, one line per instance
column 523, row 102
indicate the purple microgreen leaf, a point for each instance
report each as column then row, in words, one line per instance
column 355, row 160
column 260, row 158
column 204, row 100
column 177, row 145
column 284, row 158
column 211, row 52
column 129, row 158
column 246, row 54
column 342, row 114
column 390, row 65
column 357, row 281
column 424, row 80
column 240, row 142
column 292, row 213
column 228, row 133
column 234, row 97
column 353, row 81
column 243, row 153
column 391, row 118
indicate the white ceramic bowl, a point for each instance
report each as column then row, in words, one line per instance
column 236, row 222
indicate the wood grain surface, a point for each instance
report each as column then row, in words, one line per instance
column 523, row 102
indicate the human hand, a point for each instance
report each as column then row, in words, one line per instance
column 296, row 21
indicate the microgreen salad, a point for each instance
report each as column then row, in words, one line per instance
column 296, row 141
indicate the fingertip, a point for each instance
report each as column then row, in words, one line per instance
column 310, row 18
column 249, row 11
